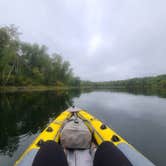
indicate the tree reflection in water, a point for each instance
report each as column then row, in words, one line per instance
column 28, row 113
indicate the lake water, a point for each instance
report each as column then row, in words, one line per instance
column 139, row 118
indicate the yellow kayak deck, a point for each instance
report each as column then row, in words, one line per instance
column 100, row 132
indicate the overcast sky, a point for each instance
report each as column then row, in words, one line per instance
column 102, row 39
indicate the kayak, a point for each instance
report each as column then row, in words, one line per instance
column 80, row 135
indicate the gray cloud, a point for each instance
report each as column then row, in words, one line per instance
column 103, row 40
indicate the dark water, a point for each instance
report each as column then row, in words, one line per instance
column 139, row 118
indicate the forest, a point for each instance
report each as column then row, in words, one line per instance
column 155, row 82
column 23, row 63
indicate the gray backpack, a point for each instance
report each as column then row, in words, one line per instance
column 75, row 135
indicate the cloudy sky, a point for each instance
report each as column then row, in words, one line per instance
column 102, row 39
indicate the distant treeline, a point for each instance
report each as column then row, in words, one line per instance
column 24, row 64
column 156, row 82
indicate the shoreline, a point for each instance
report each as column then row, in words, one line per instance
column 34, row 88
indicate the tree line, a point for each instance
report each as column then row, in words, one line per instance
column 156, row 82
column 23, row 63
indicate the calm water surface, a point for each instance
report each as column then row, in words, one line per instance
column 140, row 119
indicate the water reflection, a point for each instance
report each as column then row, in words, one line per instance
column 28, row 113
column 135, row 91
column 138, row 118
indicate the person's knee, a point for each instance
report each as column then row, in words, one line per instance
column 108, row 154
column 50, row 153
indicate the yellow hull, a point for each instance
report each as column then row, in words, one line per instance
column 99, row 131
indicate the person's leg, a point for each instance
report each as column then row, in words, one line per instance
column 108, row 154
column 50, row 154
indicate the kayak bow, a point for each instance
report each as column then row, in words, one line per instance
column 99, row 133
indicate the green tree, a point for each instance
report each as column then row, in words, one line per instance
column 23, row 63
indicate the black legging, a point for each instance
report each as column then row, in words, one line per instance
column 108, row 154
column 52, row 154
